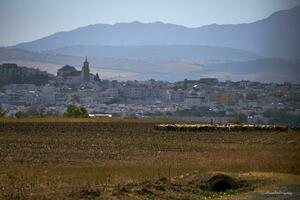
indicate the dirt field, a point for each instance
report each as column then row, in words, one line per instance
column 98, row 158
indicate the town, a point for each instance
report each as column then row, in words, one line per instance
column 207, row 99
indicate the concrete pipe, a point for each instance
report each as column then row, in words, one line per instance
column 221, row 183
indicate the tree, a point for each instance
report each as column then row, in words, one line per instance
column 21, row 114
column 96, row 78
column 34, row 112
column 84, row 112
column 77, row 112
column 239, row 119
column 2, row 112
column 242, row 118
column 280, row 116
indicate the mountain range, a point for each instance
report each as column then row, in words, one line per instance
column 275, row 36
column 265, row 50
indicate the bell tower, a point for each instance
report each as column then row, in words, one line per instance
column 85, row 70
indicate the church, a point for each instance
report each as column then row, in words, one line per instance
column 85, row 73
column 70, row 75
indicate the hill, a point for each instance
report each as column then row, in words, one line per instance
column 14, row 74
column 262, row 69
column 159, row 52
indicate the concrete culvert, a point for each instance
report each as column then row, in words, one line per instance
column 221, row 183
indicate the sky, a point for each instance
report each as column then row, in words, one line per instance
column 27, row 20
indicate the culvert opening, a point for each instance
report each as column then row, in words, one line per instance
column 221, row 183
column 221, row 186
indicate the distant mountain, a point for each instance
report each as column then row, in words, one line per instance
column 159, row 53
column 265, row 69
column 275, row 36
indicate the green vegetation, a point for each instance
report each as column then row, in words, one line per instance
column 76, row 112
column 2, row 112
column 21, row 114
column 33, row 113
column 240, row 118
column 279, row 116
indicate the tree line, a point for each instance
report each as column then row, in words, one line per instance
column 72, row 111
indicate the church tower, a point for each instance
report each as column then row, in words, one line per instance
column 85, row 70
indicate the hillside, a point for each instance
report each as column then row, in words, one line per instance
column 159, row 52
column 14, row 74
column 263, row 69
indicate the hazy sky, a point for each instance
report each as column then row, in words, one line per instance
column 26, row 20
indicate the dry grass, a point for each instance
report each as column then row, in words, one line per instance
column 53, row 158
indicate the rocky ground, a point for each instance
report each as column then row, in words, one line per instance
column 195, row 185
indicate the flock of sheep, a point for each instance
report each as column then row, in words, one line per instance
column 221, row 127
